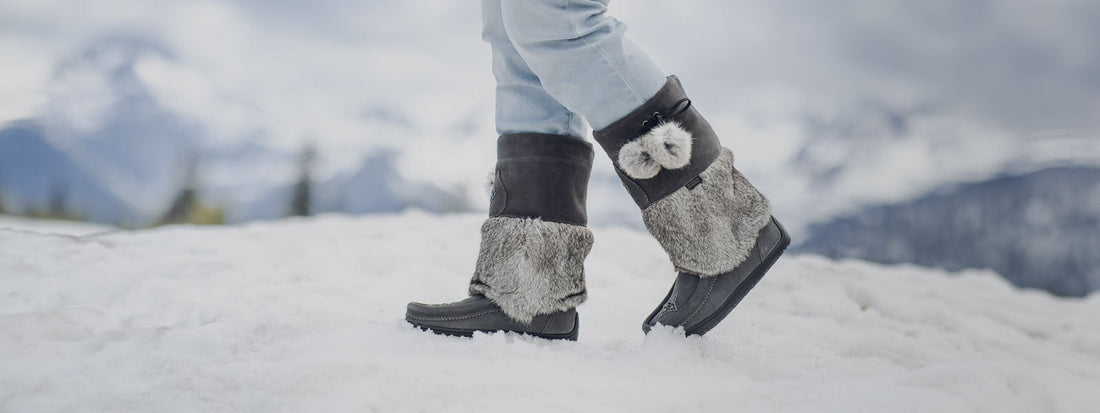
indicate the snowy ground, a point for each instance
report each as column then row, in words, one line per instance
column 44, row 226
column 306, row 315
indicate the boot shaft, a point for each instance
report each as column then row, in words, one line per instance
column 541, row 176
column 652, row 118
column 702, row 211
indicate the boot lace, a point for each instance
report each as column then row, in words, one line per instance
column 658, row 118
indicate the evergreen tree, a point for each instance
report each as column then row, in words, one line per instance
column 302, row 196
column 180, row 210
column 186, row 208
column 58, row 205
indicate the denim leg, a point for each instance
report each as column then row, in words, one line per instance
column 522, row 105
column 582, row 57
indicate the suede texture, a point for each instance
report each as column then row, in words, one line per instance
column 529, row 266
column 529, row 275
column 704, row 146
column 533, row 245
column 710, row 228
column 478, row 313
column 541, row 176
column 693, row 299
column 705, row 214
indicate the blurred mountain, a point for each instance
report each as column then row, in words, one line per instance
column 1039, row 230
column 104, row 149
column 101, row 142
column 376, row 186
column 38, row 179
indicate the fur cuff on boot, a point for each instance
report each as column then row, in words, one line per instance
column 709, row 226
column 528, row 266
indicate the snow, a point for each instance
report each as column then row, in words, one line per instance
column 306, row 315
column 44, row 226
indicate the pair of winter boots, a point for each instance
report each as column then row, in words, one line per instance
column 529, row 278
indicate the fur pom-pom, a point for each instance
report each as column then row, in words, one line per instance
column 636, row 161
column 670, row 144
column 666, row 146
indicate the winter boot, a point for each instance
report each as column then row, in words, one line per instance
column 529, row 275
column 716, row 227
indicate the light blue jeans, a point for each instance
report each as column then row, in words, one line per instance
column 559, row 63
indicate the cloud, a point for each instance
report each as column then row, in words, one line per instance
column 827, row 104
column 835, row 104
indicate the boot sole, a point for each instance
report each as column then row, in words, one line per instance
column 571, row 335
column 742, row 290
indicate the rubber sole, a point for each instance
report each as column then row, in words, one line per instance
column 710, row 321
column 571, row 335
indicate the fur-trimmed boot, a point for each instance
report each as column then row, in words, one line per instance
column 529, row 275
column 715, row 226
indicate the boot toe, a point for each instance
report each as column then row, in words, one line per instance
column 466, row 315
column 464, row 318
column 698, row 303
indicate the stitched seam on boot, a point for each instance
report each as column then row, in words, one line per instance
column 628, row 181
column 546, row 325
column 576, row 224
column 504, row 190
column 706, row 299
column 545, row 159
column 452, row 318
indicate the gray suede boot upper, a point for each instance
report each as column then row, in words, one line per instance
column 702, row 211
column 699, row 303
column 529, row 275
column 477, row 313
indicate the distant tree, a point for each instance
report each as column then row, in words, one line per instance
column 180, row 210
column 302, row 196
column 55, row 207
column 1, row 195
column 58, row 207
column 187, row 208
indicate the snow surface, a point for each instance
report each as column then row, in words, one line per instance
column 306, row 315
column 47, row 226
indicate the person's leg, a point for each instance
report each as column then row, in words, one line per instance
column 716, row 227
column 529, row 275
column 522, row 105
column 581, row 56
